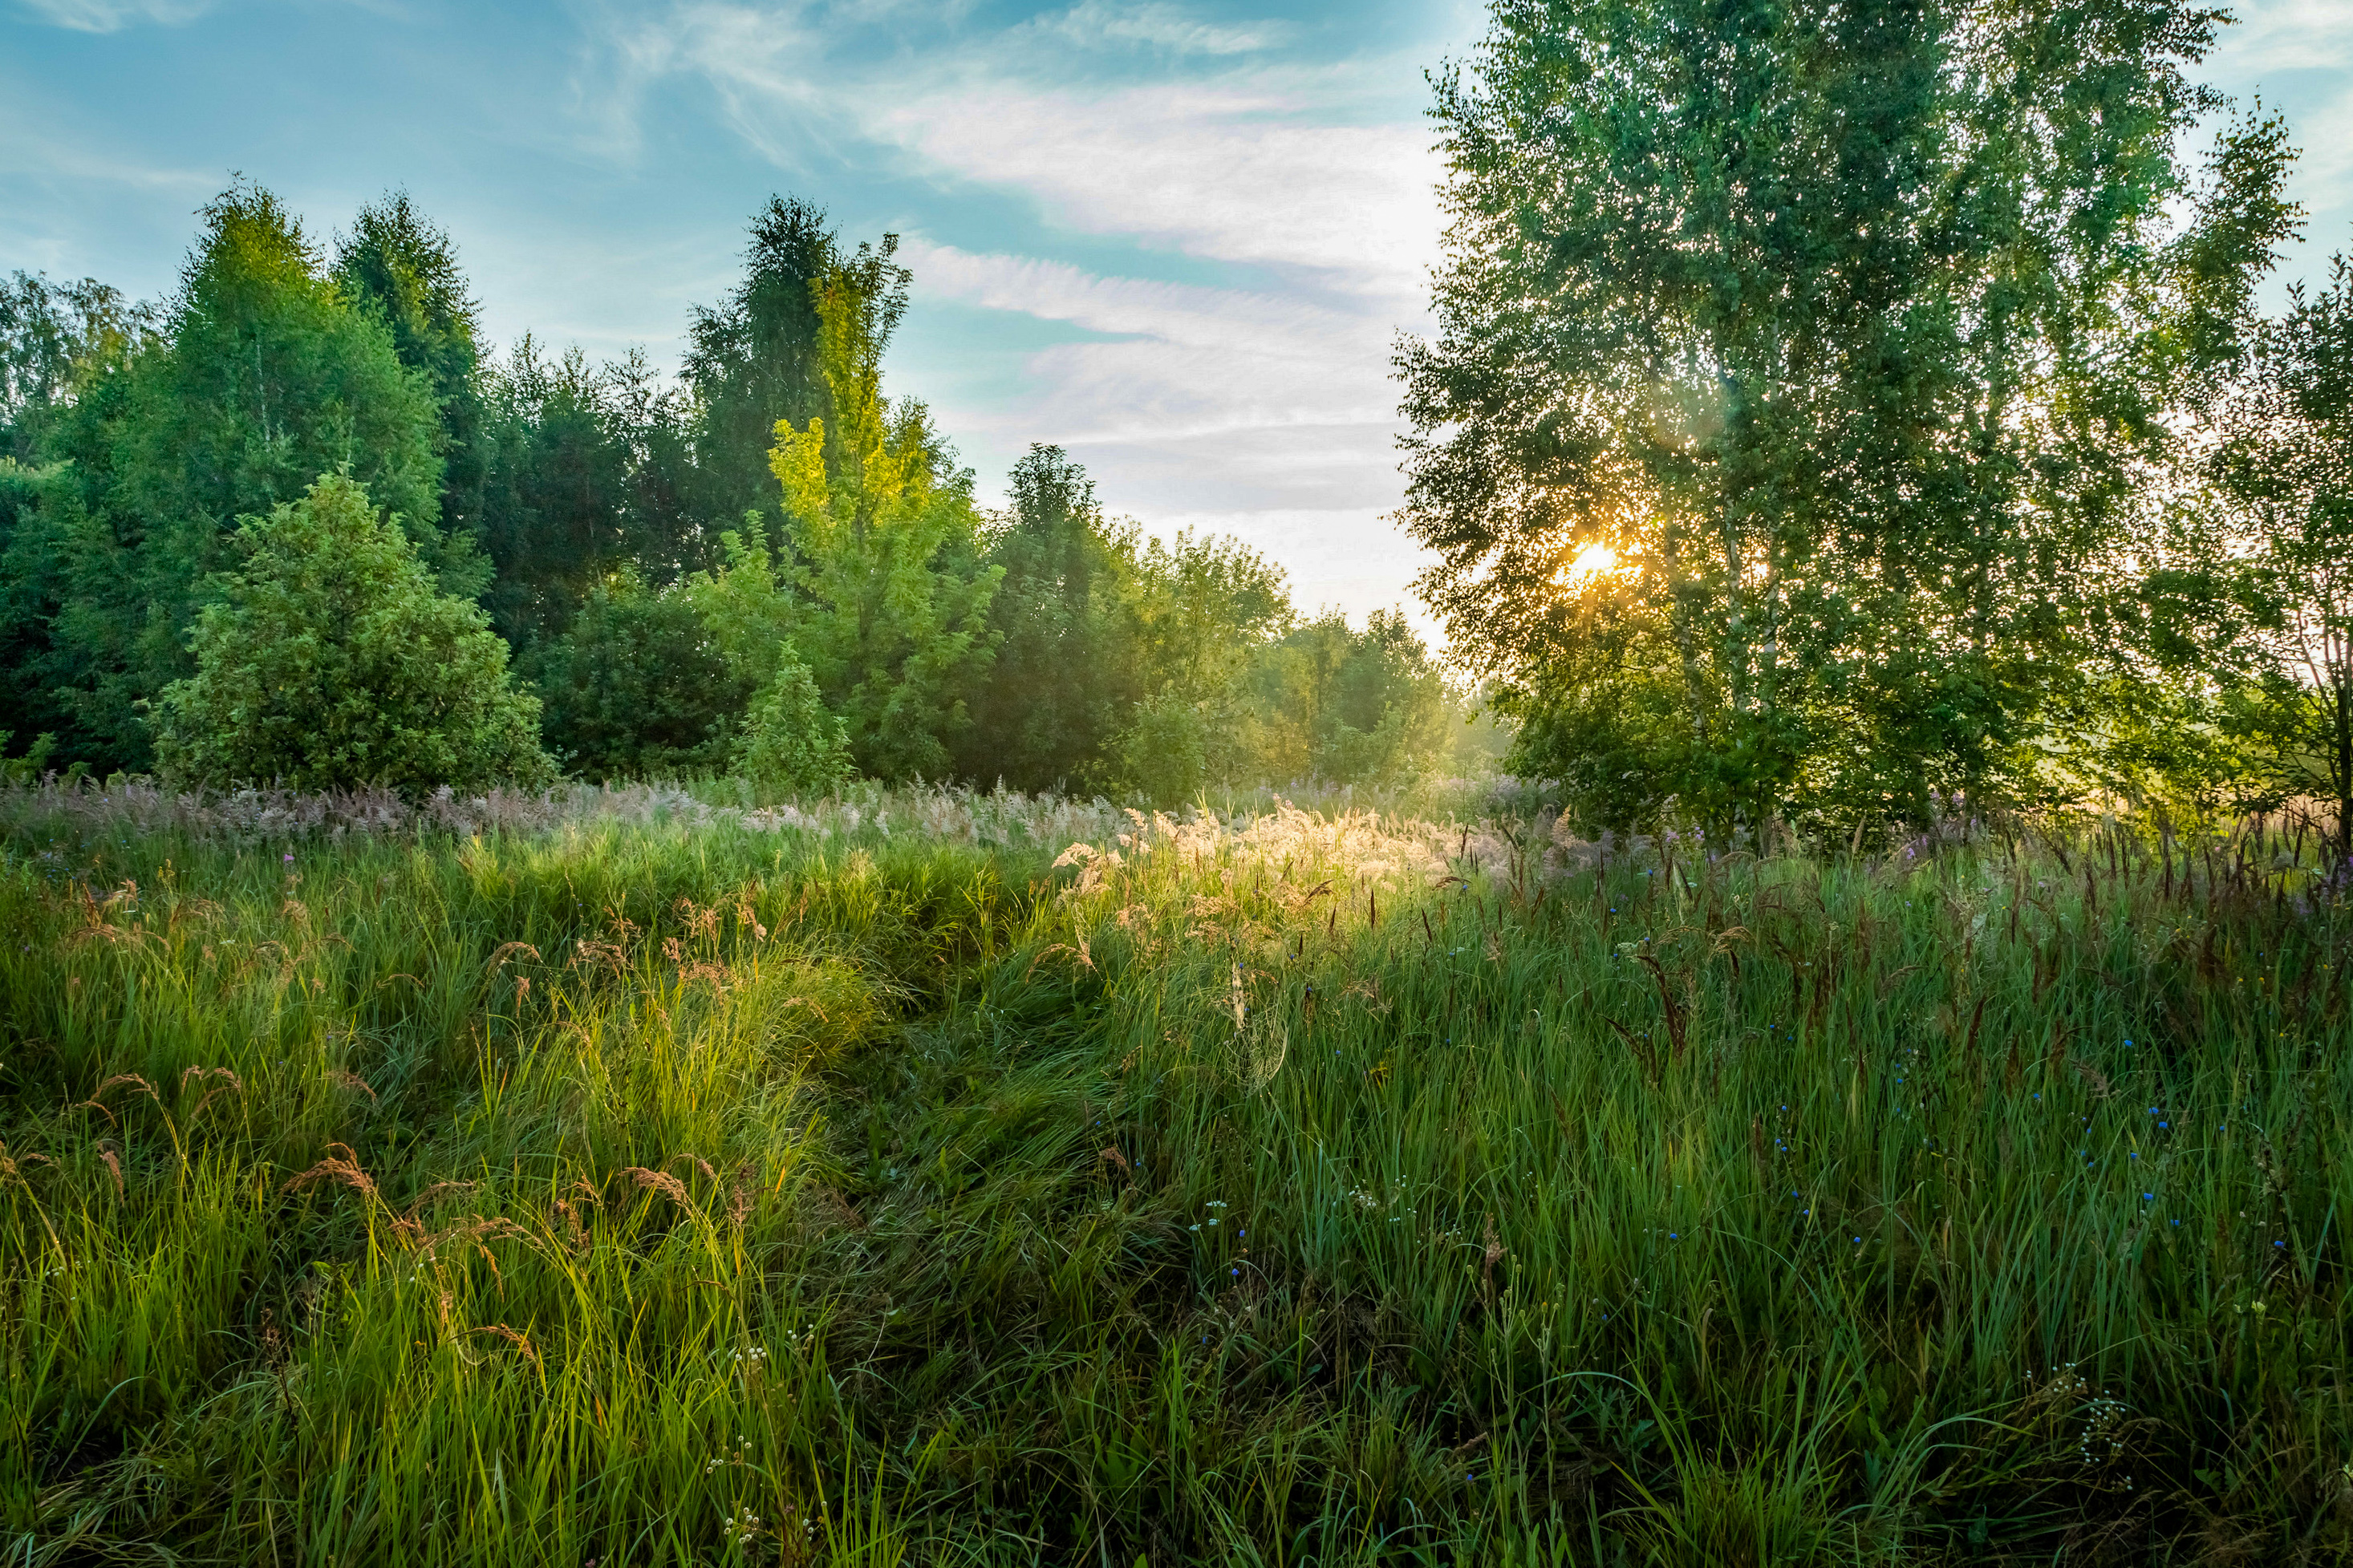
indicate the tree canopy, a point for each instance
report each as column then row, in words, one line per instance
column 1799, row 373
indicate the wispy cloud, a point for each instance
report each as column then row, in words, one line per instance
column 1095, row 25
column 113, row 16
column 1181, row 362
column 1234, row 169
column 1249, row 412
column 2273, row 36
column 1266, row 405
column 1250, row 163
column 35, row 143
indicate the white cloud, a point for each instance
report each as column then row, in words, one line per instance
column 1234, row 320
column 1264, row 409
column 1094, row 24
column 1244, row 411
column 1260, row 164
column 1187, row 364
column 1239, row 170
column 112, row 16
column 2287, row 36
column 37, row 144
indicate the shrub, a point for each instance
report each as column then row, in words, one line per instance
column 789, row 740
column 636, row 688
column 1163, row 756
column 333, row 662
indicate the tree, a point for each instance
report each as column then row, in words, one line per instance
column 1068, row 664
column 1799, row 376
column 892, row 598
column 2274, row 596
column 398, row 267
column 334, row 661
column 636, row 687
column 55, row 340
column 758, row 356
column 63, row 352
column 585, row 473
column 790, row 741
column 1330, row 702
column 267, row 378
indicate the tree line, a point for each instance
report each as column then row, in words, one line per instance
column 1841, row 411
column 300, row 523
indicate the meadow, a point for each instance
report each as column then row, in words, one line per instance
column 641, row 1177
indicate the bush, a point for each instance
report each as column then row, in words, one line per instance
column 1164, row 754
column 789, row 740
column 334, row 662
column 636, row 688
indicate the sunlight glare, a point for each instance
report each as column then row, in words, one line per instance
column 1591, row 561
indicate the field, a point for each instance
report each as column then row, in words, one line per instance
column 936, row 1178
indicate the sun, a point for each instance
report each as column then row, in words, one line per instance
column 1591, row 561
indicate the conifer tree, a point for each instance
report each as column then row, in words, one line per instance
column 267, row 378
column 758, row 356
column 402, row 268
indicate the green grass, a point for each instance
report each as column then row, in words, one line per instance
column 1314, row 1189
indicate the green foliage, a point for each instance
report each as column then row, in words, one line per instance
column 1068, row 664
column 582, row 478
column 332, row 662
column 790, row 742
column 1164, row 753
column 636, row 687
column 758, row 356
column 890, row 595
column 586, row 506
column 55, row 340
column 398, row 267
column 1857, row 333
column 1350, row 707
column 28, row 768
column 264, row 378
column 1204, row 610
column 1206, row 607
column 2272, row 597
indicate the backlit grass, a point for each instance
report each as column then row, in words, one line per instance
column 1311, row 1188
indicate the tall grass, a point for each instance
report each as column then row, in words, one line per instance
column 666, row 1187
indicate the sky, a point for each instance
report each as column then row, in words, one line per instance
column 1176, row 237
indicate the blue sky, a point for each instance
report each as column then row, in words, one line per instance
column 1176, row 236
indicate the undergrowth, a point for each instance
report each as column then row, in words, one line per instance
column 1307, row 1188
